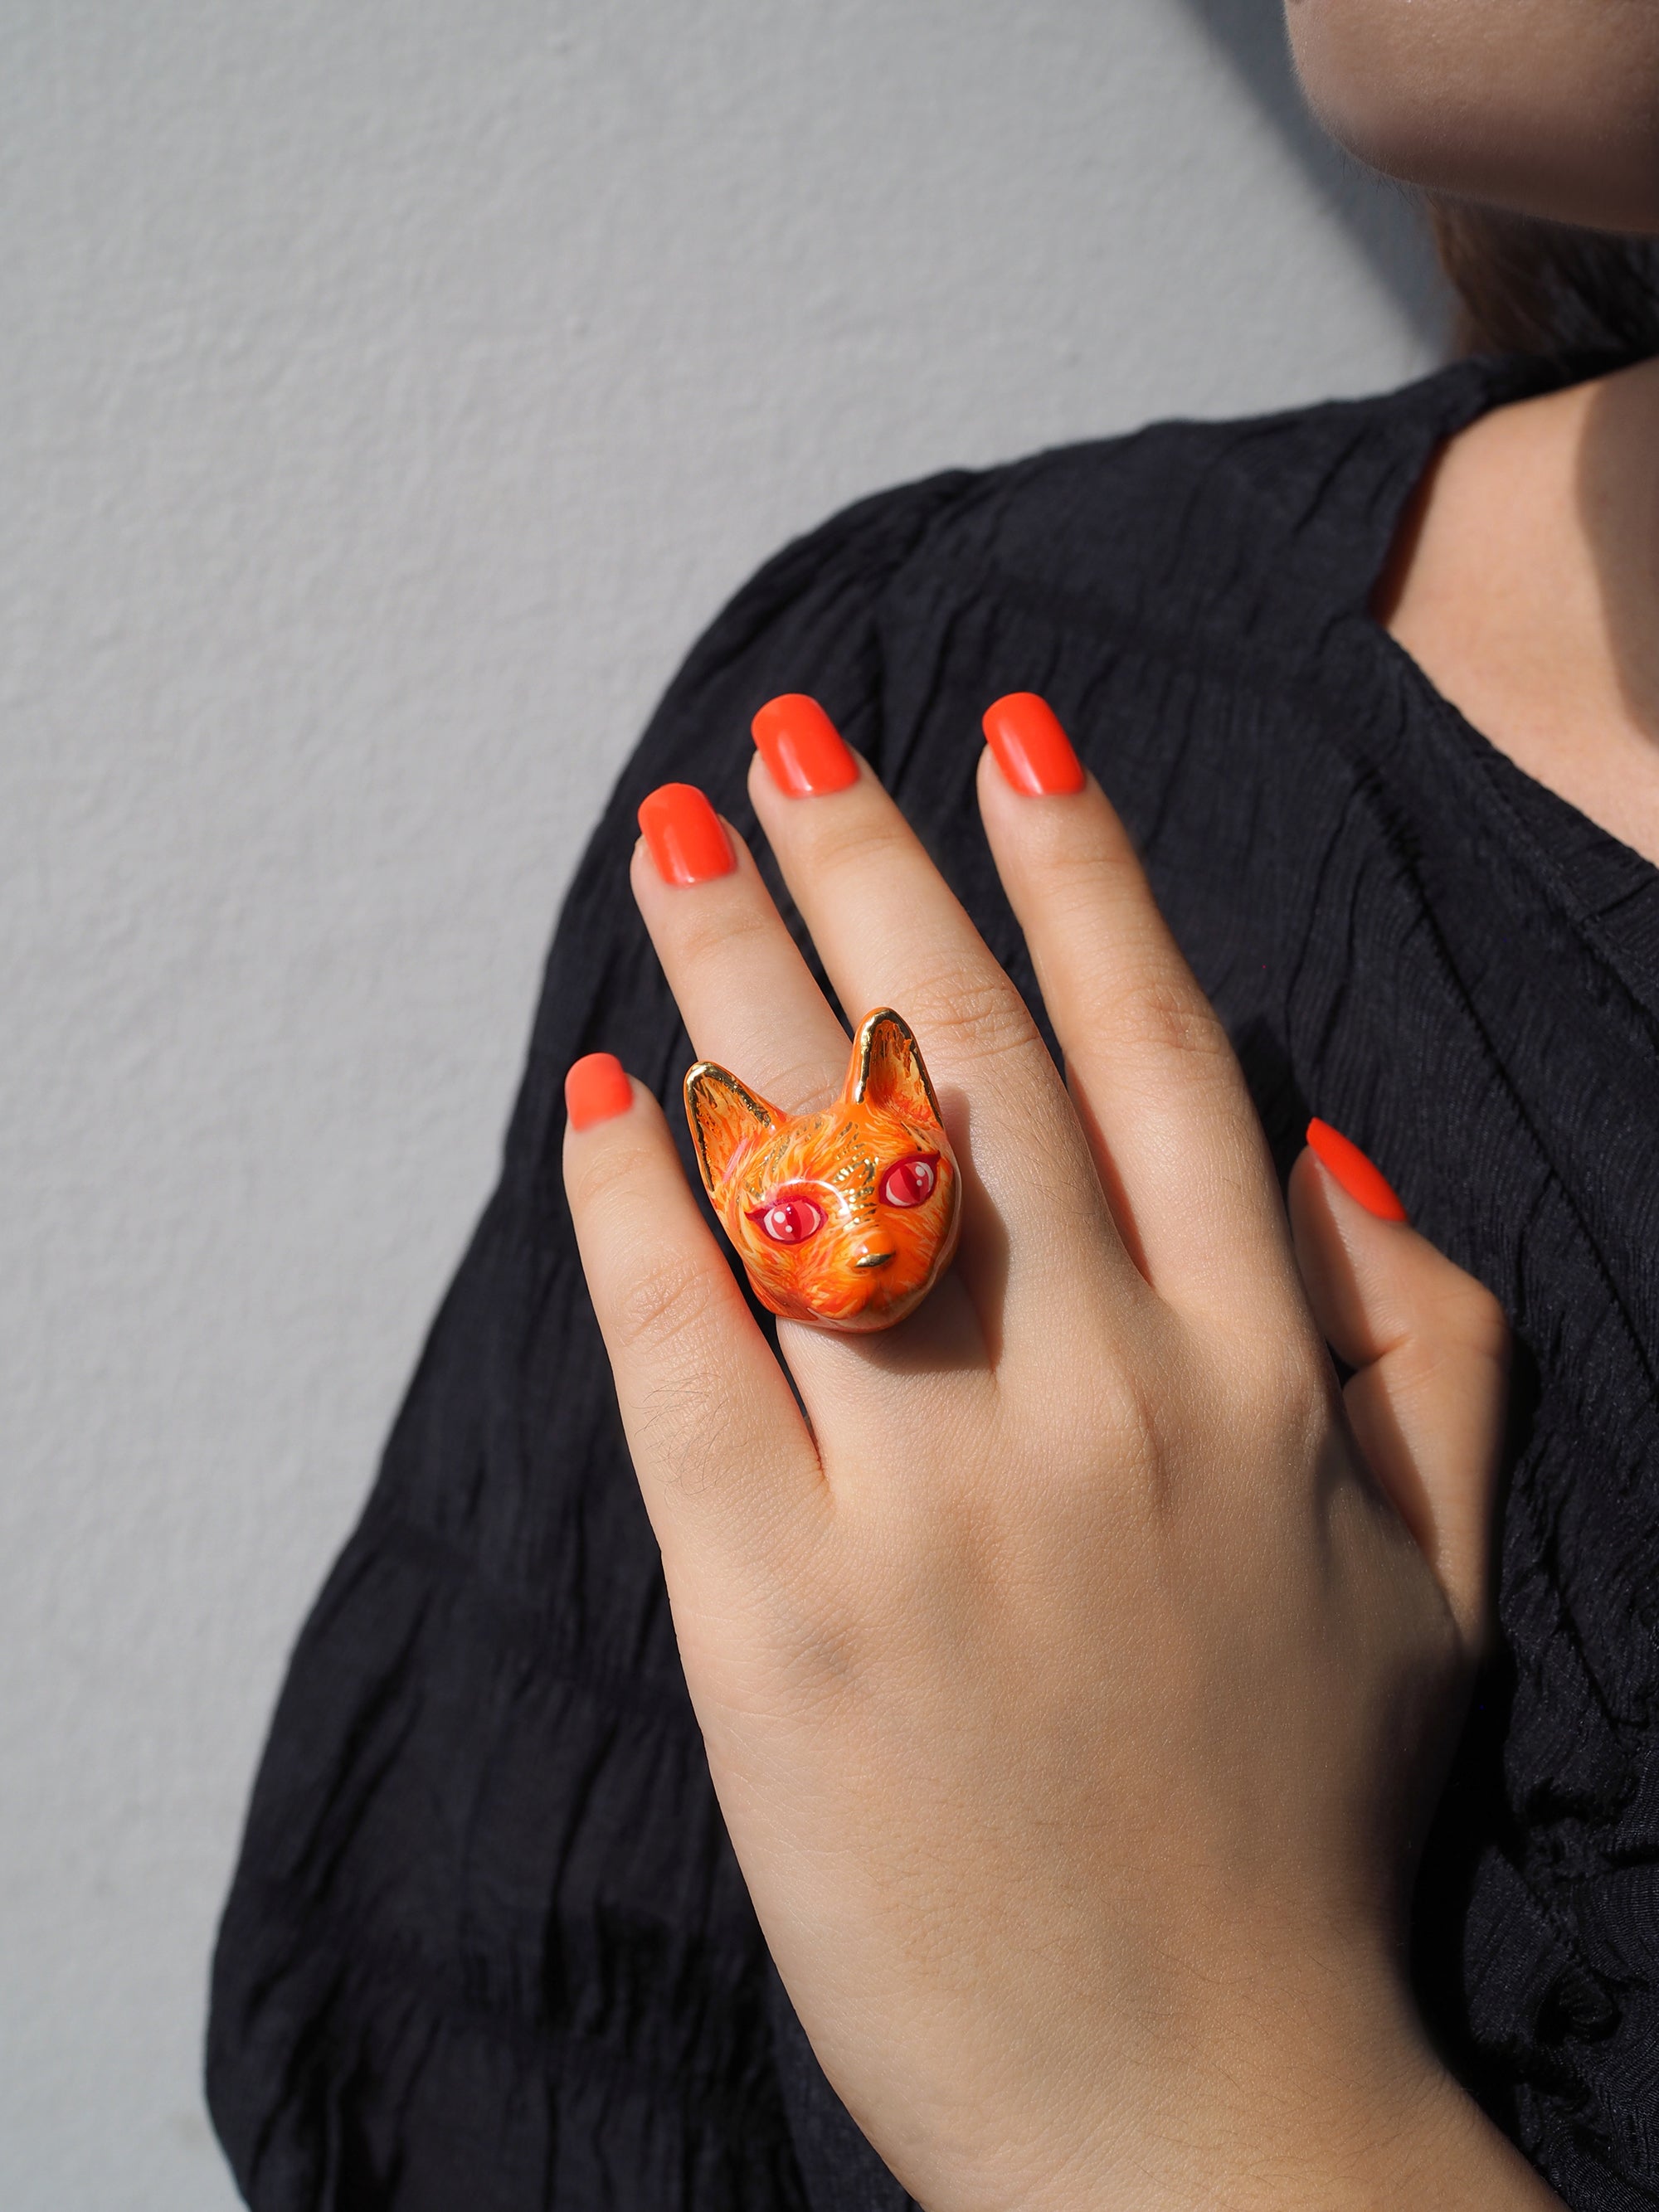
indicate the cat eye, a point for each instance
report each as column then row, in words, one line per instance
column 909, row 1182
column 789, row 1220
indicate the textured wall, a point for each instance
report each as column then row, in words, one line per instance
column 389, row 393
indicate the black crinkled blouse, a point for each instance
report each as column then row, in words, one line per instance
column 487, row 1945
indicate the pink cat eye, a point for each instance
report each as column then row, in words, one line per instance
column 909, row 1182
column 789, row 1220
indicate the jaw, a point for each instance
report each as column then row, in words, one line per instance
column 1548, row 108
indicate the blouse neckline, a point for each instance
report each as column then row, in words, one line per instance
column 1610, row 891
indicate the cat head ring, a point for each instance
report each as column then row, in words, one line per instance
column 846, row 1218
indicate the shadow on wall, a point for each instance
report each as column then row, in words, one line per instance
column 1381, row 218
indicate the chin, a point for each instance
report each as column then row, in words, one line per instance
column 1545, row 107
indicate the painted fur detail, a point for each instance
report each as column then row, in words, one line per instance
column 846, row 1218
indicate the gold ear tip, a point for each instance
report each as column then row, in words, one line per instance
column 880, row 1018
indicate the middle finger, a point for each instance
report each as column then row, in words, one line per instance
column 890, row 932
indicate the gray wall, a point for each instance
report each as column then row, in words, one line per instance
column 389, row 393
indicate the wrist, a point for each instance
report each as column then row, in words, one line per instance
column 1302, row 2111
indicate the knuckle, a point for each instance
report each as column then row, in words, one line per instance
column 1134, row 1423
column 1092, row 869
column 1281, row 1388
column 1480, row 1324
column 610, row 1172
column 661, row 1308
column 710, row 930
column 598, row 1177
column 864, row 838
column 972, row 1018
column 1167, row 1015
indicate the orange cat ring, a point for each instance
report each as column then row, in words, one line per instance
column 848, row 1217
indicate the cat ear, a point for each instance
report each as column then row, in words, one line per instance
column 723, row 1114
column 888, row 1069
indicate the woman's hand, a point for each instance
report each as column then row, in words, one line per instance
column 1078, row 1671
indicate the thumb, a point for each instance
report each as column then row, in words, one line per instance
column 1429, row 1349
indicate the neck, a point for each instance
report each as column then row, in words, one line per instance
column 1617, row 499
column 1526, row 583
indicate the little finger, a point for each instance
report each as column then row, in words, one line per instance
column 1430, row 1348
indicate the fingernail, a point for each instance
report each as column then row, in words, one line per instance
column 1032, row 750
column 802, row 748
column 597, row 1089
column 684, row 836
column 1354, row 1171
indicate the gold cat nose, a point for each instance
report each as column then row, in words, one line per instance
column 876, row 1259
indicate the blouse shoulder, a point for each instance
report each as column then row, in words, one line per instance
column 1212, row 528
column 1190, row 525
column 1190, row 541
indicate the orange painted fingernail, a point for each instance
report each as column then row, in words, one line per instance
column 1354, row 1171
column 1032, row 750
column 597, row 1089
column 684, row 836
column 804, row 751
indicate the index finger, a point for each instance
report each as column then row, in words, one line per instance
column 723, row 1457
